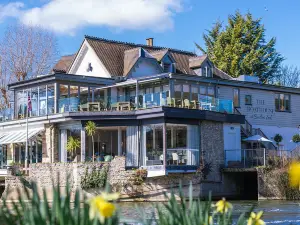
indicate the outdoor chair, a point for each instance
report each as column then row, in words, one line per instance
column 175, row 158
column 170, row 102
column 186, row 103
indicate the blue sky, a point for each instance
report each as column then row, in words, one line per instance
column 172, row 23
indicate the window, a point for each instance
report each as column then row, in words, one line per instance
column 248, row 99
column 42, row 100
column 63, row 102
column 194, row 93
column 74, row 98
column 186, row 92
column 282, row 102
column 236, row 97
column 51, row 97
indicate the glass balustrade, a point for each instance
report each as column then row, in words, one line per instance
column 119, row 103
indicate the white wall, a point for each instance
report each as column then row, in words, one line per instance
column 286, row 132
column 87, row 55
column 144, row 67
column 232, row 141
column 262, row 111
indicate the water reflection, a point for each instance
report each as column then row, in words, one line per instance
column 275, row 212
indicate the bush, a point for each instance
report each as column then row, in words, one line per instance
column 284, row 186
column 94, row 179
column 296, row 138
column 139, row 176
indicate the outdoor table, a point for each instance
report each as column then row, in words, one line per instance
column 93, row 104
column 123, row 105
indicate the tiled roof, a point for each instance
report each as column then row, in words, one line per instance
column 130, row 58
column 112, row 54
column 197, row 61
column 64, row 63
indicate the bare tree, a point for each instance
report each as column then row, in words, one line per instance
column 25, row 52
column 288, row 76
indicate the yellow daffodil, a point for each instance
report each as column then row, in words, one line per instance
column 255, row 219
column 101, row 207
column 210, row 220
column 294, row 174
column 223, row 206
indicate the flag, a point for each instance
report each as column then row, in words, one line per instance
column 29, row 104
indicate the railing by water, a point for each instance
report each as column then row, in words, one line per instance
column 245, row 158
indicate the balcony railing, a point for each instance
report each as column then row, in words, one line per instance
column 123, row 103
column 245, row 158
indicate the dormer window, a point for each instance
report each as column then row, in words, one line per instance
column 167, row 67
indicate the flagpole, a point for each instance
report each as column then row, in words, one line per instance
column 26, row 148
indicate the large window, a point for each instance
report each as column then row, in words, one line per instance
column 182, row 142
column 236, row 97
column 63, row 101
column 74, row 99
column 51, row 98
column 21, row 104
column 34, row 101
column 153, row 144
column 42, row 100
column 282, row 102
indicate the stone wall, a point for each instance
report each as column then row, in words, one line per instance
column 154, row 188
column 212, row 148
column 50, row 144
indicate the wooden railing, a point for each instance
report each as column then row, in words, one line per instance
column 246, row 127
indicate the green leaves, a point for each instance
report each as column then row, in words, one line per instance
column 240, row 48
column 73, row 144
column 90, row 128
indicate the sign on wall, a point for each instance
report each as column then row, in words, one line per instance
column 259, row 111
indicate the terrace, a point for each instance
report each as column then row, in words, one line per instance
column 73, row 93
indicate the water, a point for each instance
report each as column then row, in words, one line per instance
column 275, row 212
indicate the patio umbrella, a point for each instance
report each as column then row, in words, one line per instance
column 257, row 138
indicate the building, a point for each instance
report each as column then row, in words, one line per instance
column 160, row 108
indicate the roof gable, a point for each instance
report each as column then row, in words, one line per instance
column 111, row 54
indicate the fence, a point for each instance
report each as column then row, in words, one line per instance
column 249, row 158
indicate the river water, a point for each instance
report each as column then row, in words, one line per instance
column 275, row 212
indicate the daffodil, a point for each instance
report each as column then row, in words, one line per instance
column 210, row 220
column 223, row 206
column 101, row 208
column 255, row 219
column 294, row 174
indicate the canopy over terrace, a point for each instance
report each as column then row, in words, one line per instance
column 12, row 146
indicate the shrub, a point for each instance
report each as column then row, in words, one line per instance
column 284, row 186
column 296, row 138
column 139, row 176
column 94, row 179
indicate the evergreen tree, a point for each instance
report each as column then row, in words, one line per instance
column 240, row 48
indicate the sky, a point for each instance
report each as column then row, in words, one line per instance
column 172, row 23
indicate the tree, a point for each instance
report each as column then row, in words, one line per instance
column 288, row 76
column 278, row 138
column 90, row 128
column 25, row 52
column 73, row 144
column 240, row 48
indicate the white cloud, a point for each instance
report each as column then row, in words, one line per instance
column 10, row 10
column 66, row 16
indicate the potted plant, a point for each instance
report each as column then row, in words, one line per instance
column 278, row 138
column 296, row 138
column 90, row 128
column 72, row 145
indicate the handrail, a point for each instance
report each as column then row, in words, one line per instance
column 247, row 127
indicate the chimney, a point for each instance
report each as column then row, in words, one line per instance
column 149, row 41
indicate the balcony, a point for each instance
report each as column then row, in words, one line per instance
column 123, row 103
column 120, row 103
